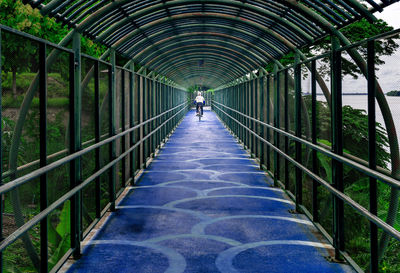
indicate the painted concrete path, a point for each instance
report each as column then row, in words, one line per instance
column 203, row 206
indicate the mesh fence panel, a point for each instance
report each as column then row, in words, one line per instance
column 104, row 129
column 20, row 145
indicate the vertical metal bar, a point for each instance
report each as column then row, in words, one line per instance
column 229, row 100
column 261, row 117
column 159, row 105
column 243, row 111
column 145, row 111
column 247, row 112
column 141, row 85
column 240, row 107
column 251, row 114
column 123, row 121
column 132, row 121
column 162, row 102
column 152, row 148
column 97, row 134
column 258, row 114
column 236, row 107
column 138, row 117
column 154, row 113
column 1, row 157
column 112, row 147
column 169, row 107
column 151, row 141
column 43, row 156
column 373, row 205
column 297, row 86
column 314, row 139
column 277, row 86
column 75, row 143
column 147, row 116
column 337, row 145
column 268, row 121
column 254, row 107
column 286, row 107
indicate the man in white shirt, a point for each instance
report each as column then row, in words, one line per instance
column 199, row 101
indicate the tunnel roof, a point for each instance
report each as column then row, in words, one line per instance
column 208, row 42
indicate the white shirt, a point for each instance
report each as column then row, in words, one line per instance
column 199, row 99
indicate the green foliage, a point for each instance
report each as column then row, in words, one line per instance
column 357, row 31
column 193, row 88
column 356, row 184
column 355, row 130
column 57, row 86
column 355, row 135
column 20, row 54
column 59, row 237
column 393, row 93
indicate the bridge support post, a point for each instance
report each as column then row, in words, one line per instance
column 286, row 121
column 111, row 108
column 75, row 144
column 1, row 165
column 261, row 116
column 297, row 107
column 97, row 133
column 337, row 146
column 123, row 128
column 131, row 120
column 277, row 87
column 268, row 99
column 373, row 206
column 314, row 139
column 43, row 156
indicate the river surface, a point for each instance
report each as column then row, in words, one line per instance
column 360, row 102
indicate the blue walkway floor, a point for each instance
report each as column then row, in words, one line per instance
column 203, row 206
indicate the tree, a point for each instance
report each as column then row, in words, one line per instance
column 19, row 55
column 355, row 32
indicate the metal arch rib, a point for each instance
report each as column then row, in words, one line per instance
column 162, row 6
column 212, row 66
column 209, row 42
column 278, row 37
column 207, row 76
column 236, row 67
column 165, row 56
column 190, row 26
column 215, row 64
column 202, row 34
column 217, row 60
column 184, row 74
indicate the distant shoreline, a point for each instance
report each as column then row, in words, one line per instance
column 344, row 94
column 350, row 94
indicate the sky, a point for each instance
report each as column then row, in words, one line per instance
column 391, row 15
column 388, row 73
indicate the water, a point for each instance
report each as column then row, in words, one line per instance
column 361, row 102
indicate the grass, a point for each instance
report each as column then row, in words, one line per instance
column 8, row 101
column 56, row 85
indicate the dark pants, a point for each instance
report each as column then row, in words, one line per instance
column 199, row 104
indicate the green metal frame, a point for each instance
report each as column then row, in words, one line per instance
column 240, row 117
column 233, row 38
column 268, row 29
column 169, row 117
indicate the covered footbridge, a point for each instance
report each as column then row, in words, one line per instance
column 105, row 167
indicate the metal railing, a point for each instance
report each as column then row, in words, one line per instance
column 268, row 114
column 146, row 112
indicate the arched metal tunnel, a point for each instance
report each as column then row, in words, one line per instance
column 224, row 46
